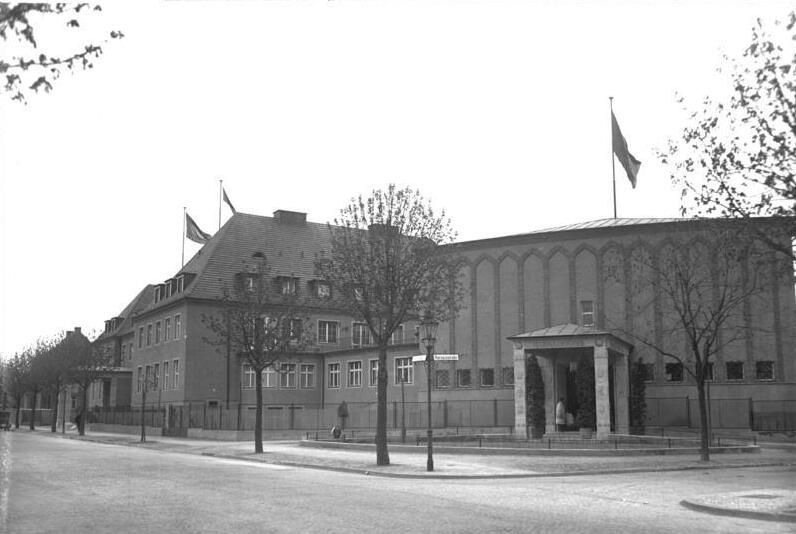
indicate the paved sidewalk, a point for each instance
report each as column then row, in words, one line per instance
column 768, row 504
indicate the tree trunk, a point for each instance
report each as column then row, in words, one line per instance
column 54, row 423
column 18, row 400
column 33, row 409
column 382, row 455
column 258, row 412
column 704, row 448
column 83, row 412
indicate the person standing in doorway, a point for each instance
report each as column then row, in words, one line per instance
column 561, row 415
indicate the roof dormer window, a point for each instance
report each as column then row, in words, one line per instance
column 158, row 290
column 180, row 283
column 288, row 285
column 167, row 289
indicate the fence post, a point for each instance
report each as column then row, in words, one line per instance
column 494, row 412
column 237, row 426
column 445, row 413
column 204, row 416
column 688, row 410
column 751, row 414
column 292, row 421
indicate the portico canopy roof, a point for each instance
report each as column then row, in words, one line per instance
column 570, row 335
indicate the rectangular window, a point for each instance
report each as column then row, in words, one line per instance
column 764, row 370
column 248, row 283
column 307, row 377
column 177, row 326
column 508, row 376
column 148, row 378
column 709, row 372
column 287, row 375
column 404, row 371
column 176, row 374
column 355, row 374
column 148, row 335
column 648, row 370
column 167, row 287
column 140, row 337
column 269, row 377
column 248, row 377
column 397, row 335
column 334, row 375
column 167, row 334
column 157, row 332
column 374, row 373
column 674, row 372
column 487, row 377
column 157, row 293
column 463, row 378
column 289, row 286
column 442, row 378
column 360, row 334
column 166, row 383
column 180, row 284
column 156, row 377
column 734, row 370
column 327, row 331
column 587, row 312
column 291, row 328
column 323, row 290
column 140, row 380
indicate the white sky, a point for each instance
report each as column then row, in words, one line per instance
column 496, row 110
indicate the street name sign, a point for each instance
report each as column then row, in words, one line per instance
column 437, row 358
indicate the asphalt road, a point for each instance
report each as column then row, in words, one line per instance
column 56, row 485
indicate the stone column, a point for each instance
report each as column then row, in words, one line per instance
column 621, row 392
column 547, row 365
column 520, row 421
column 601, row 389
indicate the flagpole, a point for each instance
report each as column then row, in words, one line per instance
column 183, row 236
column 220, row 188
column 613, row 164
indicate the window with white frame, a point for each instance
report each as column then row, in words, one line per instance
column 291, row 328
column 323, row 290
column 269, row 377
column 157, row 293
column 248, row 377
column 167, row 334
column 404, row 371
column 374, row 373
column 360, row 334
column 327, row 331
column 167, row 287
column 334, row 375
column 355, row 374
column 287, row 375
column 289, row 285
column 157, row 332
column 177, row 326
column 397, row 335
column 587, row 312
column 166, row 383
column 176, row 382
column 307, row 376
column 180, row 284
column 156, row 377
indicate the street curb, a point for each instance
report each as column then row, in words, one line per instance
column 367, row 472
column 747, row 514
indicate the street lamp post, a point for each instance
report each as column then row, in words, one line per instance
column 428, row 328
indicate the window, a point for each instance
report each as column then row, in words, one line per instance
column 177, row 326
column 397, row 335
column 156, row 377
column 289, row 286
column 167, row 335
column 487, row 377
column 176, row 374
column 248, row 377
column 587, row 312
column 291, row 328
column 307, row 376
column 463, row 378
column 323, row 290
column 167, row 287
column 157, row 294
column 442, row 378
column 269, row 377
column 180, row 284
column 734, row 370
column 148, row 378
column 374, row 373
column 764, row 370
column 404, row 371
column 148, row 335
column 140, row 380
column 140, row 337
column 248, row 283
column 674, row 372
column 287, row 375
column 327, row 331
column 508, row 376
column 334, row 375
column 709, row 372
column 157, row 332
column 355, row 374
column 360, row 334
column 166, row 383
column 648, row 371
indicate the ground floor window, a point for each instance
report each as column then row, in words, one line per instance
column 374, row 373
column 764, row 370
column 648, row 371
column 487, row 377
column 404, row 371
column 355, row 374
column 307, row 376
column 734, row 370
column 334, row 375
column 442, row 378
column 287, row 375
column 248, row 377
column 463, row 378
column 508, row 376
column 674, row 372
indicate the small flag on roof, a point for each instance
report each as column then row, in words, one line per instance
column 193, row 232
column 628, row 161
column 226, row 199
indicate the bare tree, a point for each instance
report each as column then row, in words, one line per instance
column 388, row 265
column 18, row 369
column 736, row 156
column 40, row 369
column 701, row 289
column 88, row 364
column 56, row 373
column 24, row 66
column 260, row 324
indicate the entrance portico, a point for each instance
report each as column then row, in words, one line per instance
column 557, row 349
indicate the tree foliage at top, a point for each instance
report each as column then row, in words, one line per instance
column 736, row 156
column 23, row 65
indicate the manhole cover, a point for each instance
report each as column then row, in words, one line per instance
column 760, row 496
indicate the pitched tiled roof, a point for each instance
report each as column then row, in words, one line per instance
column 609, row 223
column 139, row 302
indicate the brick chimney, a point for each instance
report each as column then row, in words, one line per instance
column 290, row 217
